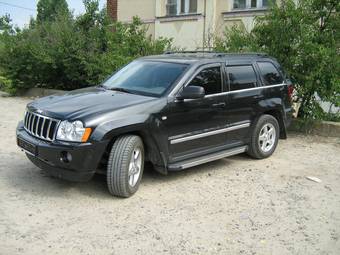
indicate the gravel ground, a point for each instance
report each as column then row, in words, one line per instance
column 232, row 206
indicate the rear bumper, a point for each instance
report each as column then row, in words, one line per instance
column 85, row 157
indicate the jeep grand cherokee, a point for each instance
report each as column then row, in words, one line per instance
column 175, row 110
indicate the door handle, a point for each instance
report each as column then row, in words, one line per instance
column 259, row 96
column 219, row 105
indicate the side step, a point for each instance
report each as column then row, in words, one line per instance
column 206, row 158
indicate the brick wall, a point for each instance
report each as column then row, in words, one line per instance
column 112, row 6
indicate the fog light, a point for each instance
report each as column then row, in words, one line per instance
column 65, row 157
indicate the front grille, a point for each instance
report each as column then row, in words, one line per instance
column 40, row 126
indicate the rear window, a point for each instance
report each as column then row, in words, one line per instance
column 241, row 77
column 269, row 73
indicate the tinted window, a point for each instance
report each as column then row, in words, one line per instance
column 270, row 74
column 209, row 79
column 241, row 77
column 146, row 77
column 239, row 4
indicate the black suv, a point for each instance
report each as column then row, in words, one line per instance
column 176, row 110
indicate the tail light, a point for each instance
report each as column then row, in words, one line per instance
column 290, row 91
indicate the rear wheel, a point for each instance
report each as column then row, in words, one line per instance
column 125, row 166
column 265, row 137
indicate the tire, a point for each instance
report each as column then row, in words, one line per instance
column 119, row 169
column 264, row 146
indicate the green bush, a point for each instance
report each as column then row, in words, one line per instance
column 69, row 52
column 305, row 39
column 6, row 85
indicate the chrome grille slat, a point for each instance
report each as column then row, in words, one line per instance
column 42, row 128
column 35, row 124
column 36, row 118
column 30, row 122
column 48, row 130
column 26, row 117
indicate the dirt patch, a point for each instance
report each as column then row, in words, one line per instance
column 232, row 206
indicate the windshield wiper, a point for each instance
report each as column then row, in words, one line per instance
column 121, row 90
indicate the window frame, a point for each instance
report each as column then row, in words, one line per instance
column 198, row 70
column 258, row 81
column 263, row 84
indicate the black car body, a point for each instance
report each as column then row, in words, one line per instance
column 179, row 128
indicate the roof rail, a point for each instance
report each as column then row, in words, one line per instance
column 215, row 53
column 188, row 51
column 195, row 51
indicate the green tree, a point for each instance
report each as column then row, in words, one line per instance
column 304, row 38
column 5, row 24
column 48, row 10
column 74, row 52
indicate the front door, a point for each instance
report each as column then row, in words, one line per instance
column 193, row 125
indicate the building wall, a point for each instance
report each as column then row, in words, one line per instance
column 186, row 30
column 144, row 9
column 189, row 32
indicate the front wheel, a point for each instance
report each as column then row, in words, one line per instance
column 264, row 138
column 125, row 166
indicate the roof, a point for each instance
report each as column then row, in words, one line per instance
column 190, row 57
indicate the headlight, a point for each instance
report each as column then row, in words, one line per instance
column 73, row 131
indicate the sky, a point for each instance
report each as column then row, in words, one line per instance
column 21, row 10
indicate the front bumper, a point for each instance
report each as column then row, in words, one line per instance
column 85, row 157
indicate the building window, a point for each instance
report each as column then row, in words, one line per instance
column 248, row 4
column 239, row 4
column 182, row 6
column 171, row 8
column 176, row 7
column 193, row 6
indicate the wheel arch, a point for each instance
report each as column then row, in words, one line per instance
column 151, row 148
column 278, row 115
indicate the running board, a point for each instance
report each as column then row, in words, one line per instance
column 204, row 159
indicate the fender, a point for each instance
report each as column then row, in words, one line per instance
column 149, row 128
column 275, row 107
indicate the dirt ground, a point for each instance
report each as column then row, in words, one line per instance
column 232, row 206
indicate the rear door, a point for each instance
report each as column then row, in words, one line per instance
column 276, row 88
column 273, row 80
column 243, row 100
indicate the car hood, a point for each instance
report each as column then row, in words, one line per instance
column 81, row 103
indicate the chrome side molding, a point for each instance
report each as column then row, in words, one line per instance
column 209, row 133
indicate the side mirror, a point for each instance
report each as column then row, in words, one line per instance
column 191, row 92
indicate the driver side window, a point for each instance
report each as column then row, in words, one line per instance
column 209, row 79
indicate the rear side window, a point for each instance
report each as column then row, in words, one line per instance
column 270, row 74
column 209, row 79
column 241, row 77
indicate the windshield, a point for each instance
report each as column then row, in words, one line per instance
column 145, row 77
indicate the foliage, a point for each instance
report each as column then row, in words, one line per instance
column 332, row 117
column 73, row 52
column 6, row 85
column 305, row 39
column 49, row 10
